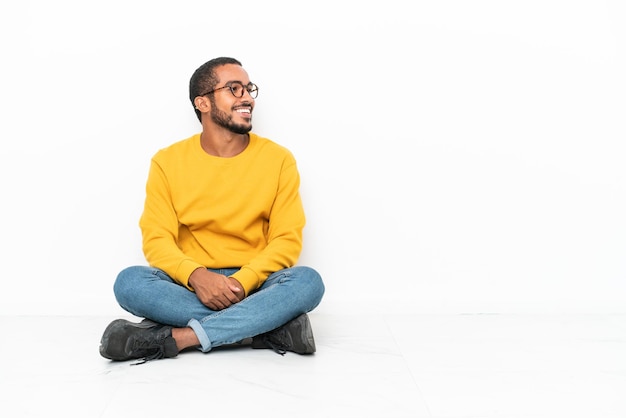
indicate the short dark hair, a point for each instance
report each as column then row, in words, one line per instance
column 204, row 78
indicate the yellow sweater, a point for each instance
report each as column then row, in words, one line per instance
column 206, row 211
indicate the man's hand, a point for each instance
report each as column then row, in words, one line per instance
column 215, row 291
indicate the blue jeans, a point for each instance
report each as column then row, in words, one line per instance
column 149, row 292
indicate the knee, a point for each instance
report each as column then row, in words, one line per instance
column 312, row 281
column 126, row 282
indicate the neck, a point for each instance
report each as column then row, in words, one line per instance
column 225, row 145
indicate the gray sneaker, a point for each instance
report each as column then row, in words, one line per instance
column 296, row 335
column 147, row 340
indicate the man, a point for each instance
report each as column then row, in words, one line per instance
column 222, row 232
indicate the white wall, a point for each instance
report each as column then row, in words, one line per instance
column 456, row 156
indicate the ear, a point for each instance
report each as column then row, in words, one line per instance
column 202, row 103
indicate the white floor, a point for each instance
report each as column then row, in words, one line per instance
column 383, row 366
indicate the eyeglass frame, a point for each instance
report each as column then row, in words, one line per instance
column 250, row 87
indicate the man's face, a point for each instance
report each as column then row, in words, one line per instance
column 230, row 112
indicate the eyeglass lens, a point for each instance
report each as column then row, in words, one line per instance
column 238, row 89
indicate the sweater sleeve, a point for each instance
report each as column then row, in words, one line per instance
column 286, row 223
column 159, row 227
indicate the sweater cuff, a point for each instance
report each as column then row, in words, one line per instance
column 248, row 279
column 184, row 271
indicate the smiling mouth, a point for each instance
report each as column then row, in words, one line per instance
column 245, row 112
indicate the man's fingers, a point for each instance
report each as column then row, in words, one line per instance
column 221, row 293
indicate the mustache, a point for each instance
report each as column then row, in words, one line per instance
column 245, row 103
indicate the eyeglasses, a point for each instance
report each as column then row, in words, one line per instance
column 237, row 89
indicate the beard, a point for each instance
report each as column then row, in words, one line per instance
column 224, row 120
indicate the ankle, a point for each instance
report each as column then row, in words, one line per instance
column 185, row 338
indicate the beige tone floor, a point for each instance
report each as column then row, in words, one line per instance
column 383, row 366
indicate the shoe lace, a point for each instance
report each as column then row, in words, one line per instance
column 149, row 345
column 275, row 342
